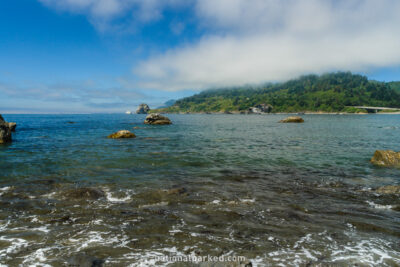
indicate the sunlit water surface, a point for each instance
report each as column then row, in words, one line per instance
column 278, row 194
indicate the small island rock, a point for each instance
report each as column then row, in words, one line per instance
column 386, row 158
column 143, row 109
column 5, row 131
column 295, row 119
column 157, row 118
column 122, row 134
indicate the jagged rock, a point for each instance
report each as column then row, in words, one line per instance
column 295, row 119
column 389, row 189
column 157, row 118
column 12, row 126
column 143, row 109
column 5, row 131
column 122, row 134
column 85, row 193
column 386, row 158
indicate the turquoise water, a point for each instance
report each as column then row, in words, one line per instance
column 275, row 193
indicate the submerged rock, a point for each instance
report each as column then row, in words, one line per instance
column 85, row 193
column 84, row 260
column 388, row 189
column 157, row 118
column 295, row 119
column 143, row 109
column 122, row 134
column 386, row 158
column 5, row 131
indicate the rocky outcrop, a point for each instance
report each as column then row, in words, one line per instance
column 294, row 119
column 143, row 109
column 84, row 193
column 122, row 134
column 388, row 189
column 5, row 131
column 12, row 126
column 386, row 158
column 157, row 119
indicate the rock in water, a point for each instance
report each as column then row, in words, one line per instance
column 157, row 118
column 386, row 158
column 122, row 134
column 389, row 189
column 143, row 109
column 5, row 131
column 85, row 193
column 12, row 126
column 295, row 119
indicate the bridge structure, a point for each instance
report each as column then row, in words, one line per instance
column 375, row 109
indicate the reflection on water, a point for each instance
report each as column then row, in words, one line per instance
column 288, row 194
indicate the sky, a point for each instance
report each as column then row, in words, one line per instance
column 107, row 56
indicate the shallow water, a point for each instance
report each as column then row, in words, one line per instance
column 278, row 194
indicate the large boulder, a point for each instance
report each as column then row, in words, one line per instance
column 386, row 158
column 143, row 109
column 5, row 131
column 294, row 119
column 122, row 134
column 157, row 118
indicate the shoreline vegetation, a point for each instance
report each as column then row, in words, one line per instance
column 332, row 93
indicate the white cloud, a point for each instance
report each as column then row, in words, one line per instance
column 253, row 41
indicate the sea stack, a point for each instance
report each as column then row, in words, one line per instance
column 386, row 158
column 143, row 109
column 294, row 119
column 157, row 119
column 5, row 131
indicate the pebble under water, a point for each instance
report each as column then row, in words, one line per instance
column 245, row 185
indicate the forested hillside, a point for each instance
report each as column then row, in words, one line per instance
column 332, row 92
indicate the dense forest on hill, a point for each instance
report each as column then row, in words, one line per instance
column 332, row 92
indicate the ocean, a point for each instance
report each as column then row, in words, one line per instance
column 207, row 185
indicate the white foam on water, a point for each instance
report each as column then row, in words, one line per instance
column 378, row 206
column 16, row 244
column 37, row 258
column 50, row 195
column 3, row 226
column 371, row 252
column 154, row 205
column 247, row 200
column 216, row 201
column 111, row 197
column 5, row 189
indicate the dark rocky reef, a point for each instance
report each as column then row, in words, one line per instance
column 5, row 131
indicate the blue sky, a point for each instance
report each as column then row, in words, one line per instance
column 78, row 56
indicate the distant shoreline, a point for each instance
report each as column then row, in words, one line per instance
column 282, row 113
